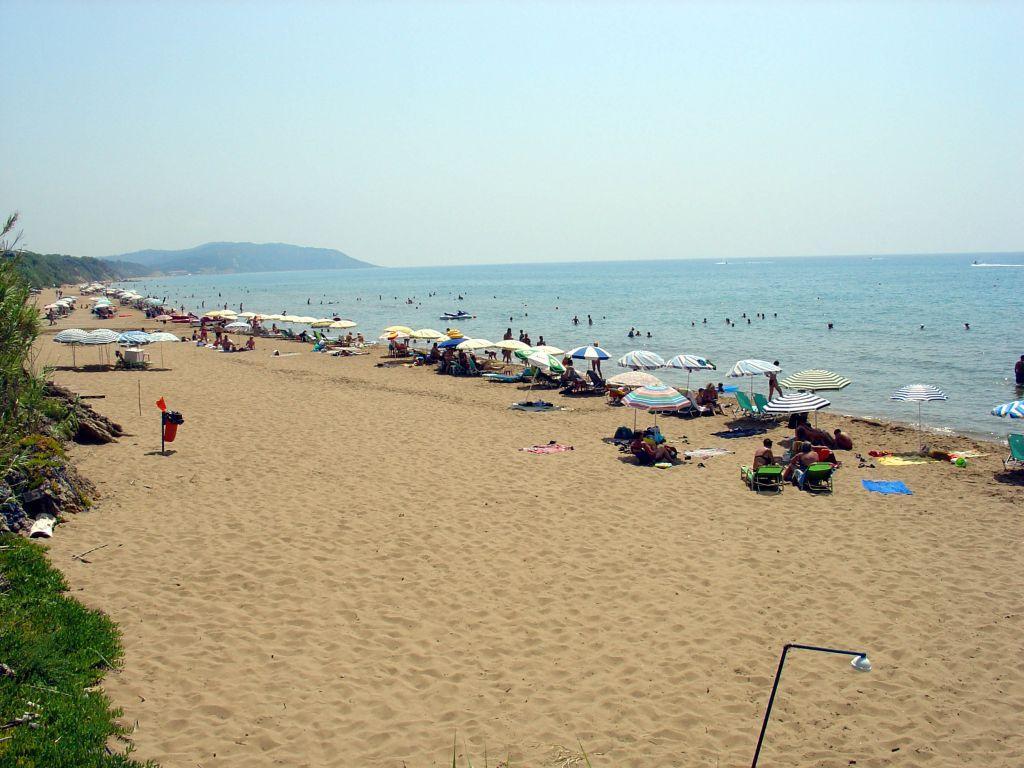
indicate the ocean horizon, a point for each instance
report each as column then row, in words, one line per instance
column 896, row 320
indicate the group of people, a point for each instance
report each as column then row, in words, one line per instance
column 809, row 446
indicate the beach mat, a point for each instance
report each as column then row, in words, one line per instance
column 549, row 448
column 705, row 453
column 903, row 461
column 887, row 487
column 747, row 432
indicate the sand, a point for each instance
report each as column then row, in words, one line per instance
column 345, row 565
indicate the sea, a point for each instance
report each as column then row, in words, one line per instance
column 895, row 320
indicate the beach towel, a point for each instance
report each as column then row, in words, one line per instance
column 903, row 461
column 740, row 432
column 895, row 487
column 549, row 448
column 538, row 405
column 705, row 453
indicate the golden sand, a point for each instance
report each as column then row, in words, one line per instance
column 344, row 565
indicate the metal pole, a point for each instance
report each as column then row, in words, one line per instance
column 162, row 449
column 778, row 677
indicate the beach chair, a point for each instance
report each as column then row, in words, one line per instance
column 818, row 478
column 288, row 334
column 767, row 478
column 693, row 409
column 1016, row 458
column 596, row 380
column 761, row 403
column 747, row 408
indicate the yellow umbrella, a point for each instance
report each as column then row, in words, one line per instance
column 343, row 324
column 325, row 323
column 247, row 314
column 398, row 329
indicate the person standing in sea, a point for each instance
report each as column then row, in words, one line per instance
column 1018, row 371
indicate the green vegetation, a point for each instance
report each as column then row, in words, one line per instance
column 52, row 649
column 53, row 652
column 44, row 270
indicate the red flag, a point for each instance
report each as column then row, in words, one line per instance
column 161, row 404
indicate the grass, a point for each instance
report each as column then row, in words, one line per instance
column 54, row 651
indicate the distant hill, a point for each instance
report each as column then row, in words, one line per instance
column 243, row 257
column 46, row 269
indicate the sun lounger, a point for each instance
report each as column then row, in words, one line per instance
column 766, row 478
column 747, row 408
column 761, row 403
column 818, row 478
column 1016, row 458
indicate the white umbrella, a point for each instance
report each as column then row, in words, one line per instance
column 918, row 393
column 548, row 349
column 511, row 344
column 238, row 326
column 588, row 353
column 690, row 363
column 752, row 368
column 74, row 337
column 342, row 324
column 428, row 334
column 641, row 360
column 472, row 344
column 634, row 379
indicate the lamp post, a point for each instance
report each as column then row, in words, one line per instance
column 860, row 662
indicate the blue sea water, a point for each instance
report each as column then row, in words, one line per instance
column 876, row 304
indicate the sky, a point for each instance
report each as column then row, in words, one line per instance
column 431, row 133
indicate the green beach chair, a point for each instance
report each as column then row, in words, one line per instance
column 761, row 403
column 747, row 408
column 818, row 478
column 1016, row 458
column 767, row 478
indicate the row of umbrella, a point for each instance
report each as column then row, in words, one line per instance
column 101, row 336
column 314, row 322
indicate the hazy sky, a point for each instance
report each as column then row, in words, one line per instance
column 430, row 133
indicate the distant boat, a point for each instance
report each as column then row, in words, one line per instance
column 460, row 315
column 979, row 264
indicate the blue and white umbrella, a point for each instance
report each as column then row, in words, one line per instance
column 690, row 363
column 588, row 353
column 641, row 360
column 1014, row 410
column 920, row 394
column 74, row 337
column 130, row 338
column 752, row 368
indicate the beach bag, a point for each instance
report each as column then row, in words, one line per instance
column 623, row 433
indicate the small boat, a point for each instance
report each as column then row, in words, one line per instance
column 460, row 315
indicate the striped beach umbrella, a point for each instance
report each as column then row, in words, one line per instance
column 797, row 402
column 634, row 379
column 815, row 381
column 101, row 336
column 588, row 353
column 920, row 394
column 1014, row 410
column 690, row 363
column 641, row 360
column 752, row 368
column 133, row 337
column 74, row 337
column 655, row 398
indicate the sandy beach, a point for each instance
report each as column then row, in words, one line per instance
column 346, row 565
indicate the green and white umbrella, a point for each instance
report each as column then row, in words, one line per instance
column 815, row 380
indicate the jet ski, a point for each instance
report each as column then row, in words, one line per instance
column 460, row 315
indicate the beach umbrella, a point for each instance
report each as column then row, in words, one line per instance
column 654, row 398
column 545, row 360
column 398, row 328
column 162, row 317
column 690, row 363
column 449, row 343
column 550, row 350
column 920, row 394
column 588, row 353
column 511, row 344
column 133, row 338
column 797, row 402
column 101, row 336
column 160, row 337
column 1014, row 410
column 815, row 381
column 634, row 379
column 342, row 324
column 321, row 323
column 752, row 368
column 74, row 337
column 641, row 360
column 238, row 325
column 428, row 334
column 248, row 315
column 468, row 345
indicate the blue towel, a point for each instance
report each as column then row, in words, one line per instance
column 887, row 487
column 749, row 432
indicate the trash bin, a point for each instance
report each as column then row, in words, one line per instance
column 171, row 420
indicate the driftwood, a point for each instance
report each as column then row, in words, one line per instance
column 93, row 427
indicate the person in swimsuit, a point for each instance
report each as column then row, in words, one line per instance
column 763, row 456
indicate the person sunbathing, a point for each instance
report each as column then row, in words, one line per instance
column 251, row 344
column 708, row 397
column 807, row 433
column 763, row 456
column 800, row 462
column 843, row 441
column 647, row 453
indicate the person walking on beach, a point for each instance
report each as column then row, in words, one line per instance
column 773, row 382
column 1018, row 371
column 595, row 364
